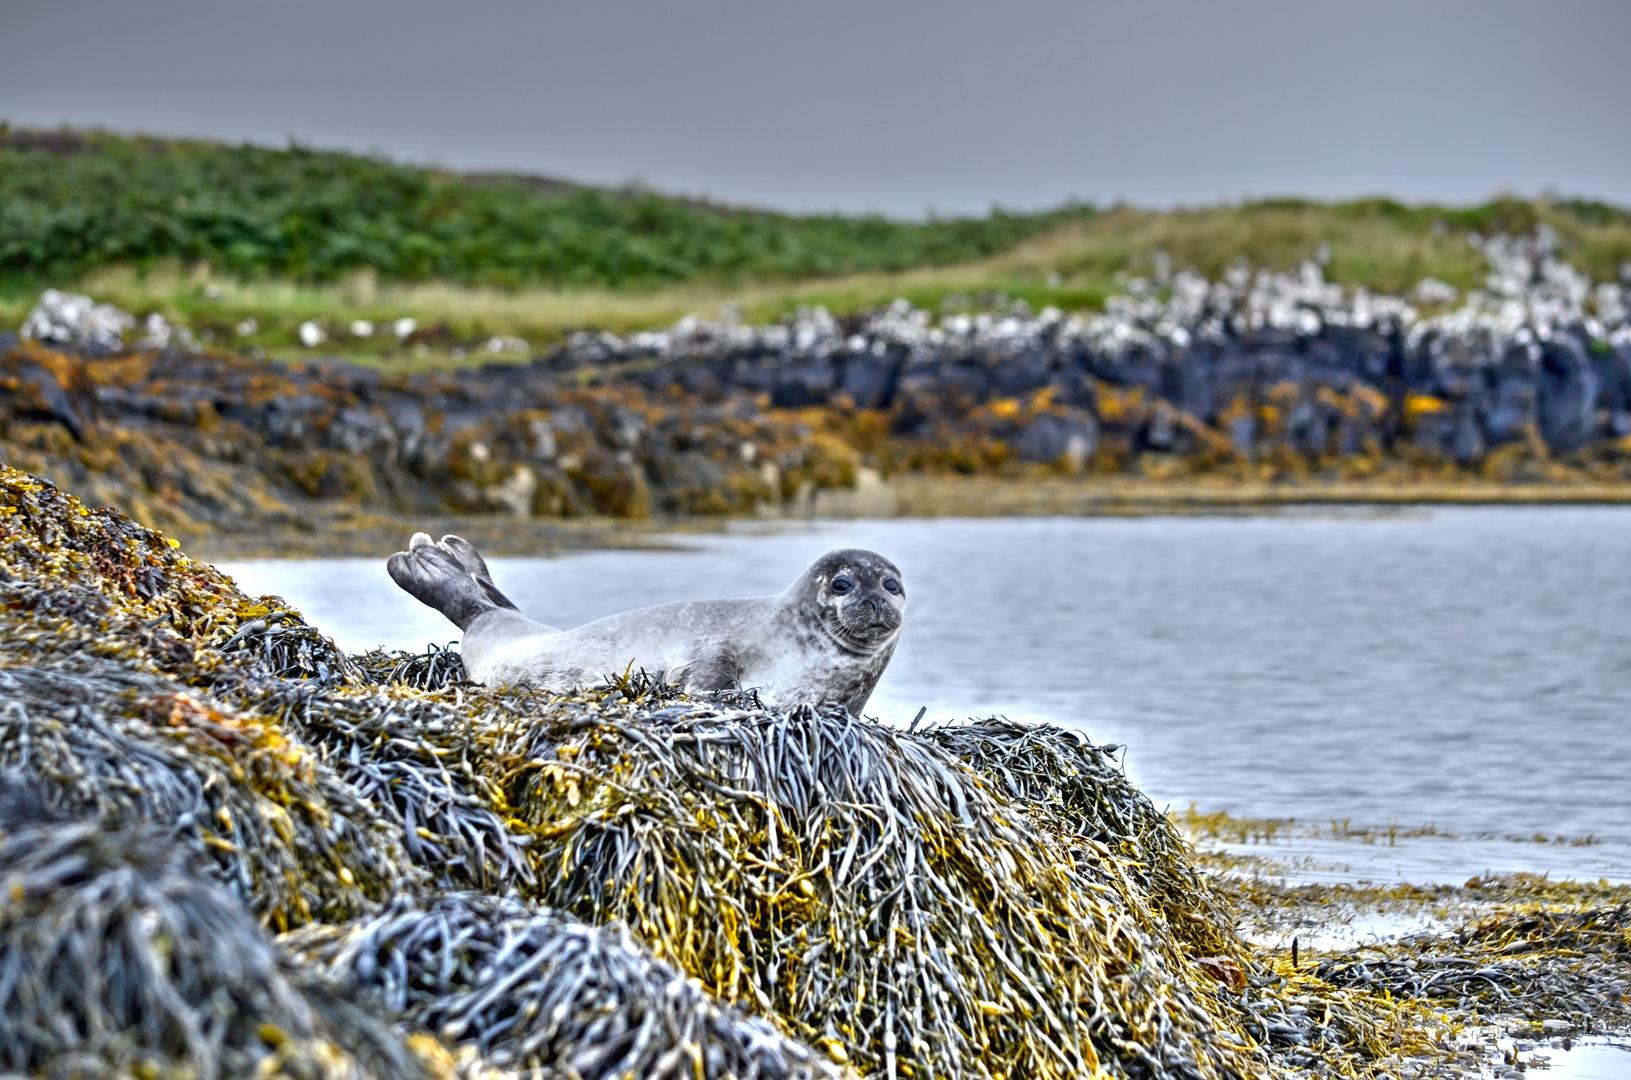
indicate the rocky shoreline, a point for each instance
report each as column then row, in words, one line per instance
column 1262, row 381
column 1255, row 367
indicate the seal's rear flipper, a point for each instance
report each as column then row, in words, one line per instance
column 469, row 558
column 434, row 576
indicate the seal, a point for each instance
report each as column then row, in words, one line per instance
column 824, row 640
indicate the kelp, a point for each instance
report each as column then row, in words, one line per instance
column 432, row 669
column 293, row 840
column 281, row 641
column 420, row 765
column 532, row 989
column 1519, row 954
column 1077, row 793
column 865, row 885
column 1572, row 965
column 118, row 958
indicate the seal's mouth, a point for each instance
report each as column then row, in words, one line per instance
column 865, row 624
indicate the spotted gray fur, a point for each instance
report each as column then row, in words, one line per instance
column 825, row 640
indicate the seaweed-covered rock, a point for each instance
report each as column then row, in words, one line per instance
column 1078, row 794
column 727, row 890
column 873, row 890
column 116, row 959
column 114, row 693
column 533, row 989
column 1259, row 376
column 280, row 829
column 1271, row 368
column 424, row 767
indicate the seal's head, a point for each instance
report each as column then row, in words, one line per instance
column 856, row 596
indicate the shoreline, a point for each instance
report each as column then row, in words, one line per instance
column 347, row 532
column 935, row 496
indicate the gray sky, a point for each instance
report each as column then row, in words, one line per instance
column 902, row 107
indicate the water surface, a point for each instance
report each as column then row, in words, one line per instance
column 1467, row 667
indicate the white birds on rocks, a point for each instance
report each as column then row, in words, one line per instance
column 76, row 320
column 1538, row 350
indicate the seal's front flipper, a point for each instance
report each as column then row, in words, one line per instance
column 469, row 558
column 435, row 577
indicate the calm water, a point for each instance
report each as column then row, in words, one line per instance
column 1465, row 667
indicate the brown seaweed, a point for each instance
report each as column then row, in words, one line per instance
column 289, row 836
column 865, row 885
column 532, row 989
column 116, row 956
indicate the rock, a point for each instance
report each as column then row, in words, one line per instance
column 1069, row 439
column 870, row 498
column 40, row 385
column 516, row 493
column 1537, row 350
column 77, row 320
column 1259, row 375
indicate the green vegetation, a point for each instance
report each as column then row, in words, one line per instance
column 74, row 203
column 213, row 236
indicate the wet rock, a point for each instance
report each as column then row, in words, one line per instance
column 517, row 492
column 1069, row 439
column 39, row 385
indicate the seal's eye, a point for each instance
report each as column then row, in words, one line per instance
column 891, row 585
column 842, row 585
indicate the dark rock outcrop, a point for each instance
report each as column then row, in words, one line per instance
column 1252, row 365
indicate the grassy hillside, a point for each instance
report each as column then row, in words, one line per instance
column 72, row 203
column 214, row 236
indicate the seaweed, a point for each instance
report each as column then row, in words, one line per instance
column 1519, row 954
column 435, row 668
column 423, row 766
column 531, row 989
column 1573, row 964
column 117, row 958
column 866, row 886
column 1078, row 794
column 281, row 641
column 293, row 840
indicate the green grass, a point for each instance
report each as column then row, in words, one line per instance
column 73, row 203
column 214, row 235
